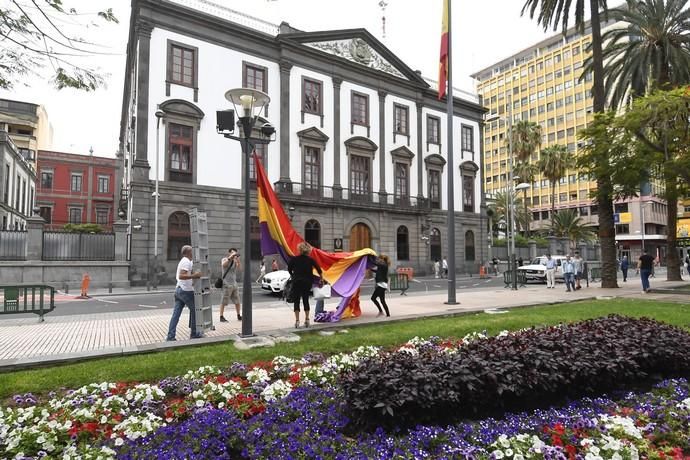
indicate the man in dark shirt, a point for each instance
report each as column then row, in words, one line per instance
column 646, row 265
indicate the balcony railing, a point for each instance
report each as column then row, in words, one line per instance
column 344, row 196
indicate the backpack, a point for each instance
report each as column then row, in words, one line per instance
column 289, row 292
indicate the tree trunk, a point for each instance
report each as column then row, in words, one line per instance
column 672, row 259
column 607, row 233
column 553, row 205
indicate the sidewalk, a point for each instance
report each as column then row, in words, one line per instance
column 26, row 343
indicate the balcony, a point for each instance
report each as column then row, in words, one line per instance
column 344, row 197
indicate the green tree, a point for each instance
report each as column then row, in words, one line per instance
column 567, row 224
column 553, row 164
column 35, row 33
column 499, row 206
column 551, row 13
column 651, row 52
column 526, row 139
column 526, row 172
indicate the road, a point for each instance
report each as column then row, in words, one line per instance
column 261, row 299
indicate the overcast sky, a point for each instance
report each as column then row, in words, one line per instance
column 484, row 31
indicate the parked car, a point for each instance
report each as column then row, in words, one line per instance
column 275, row 281
column 536, row 269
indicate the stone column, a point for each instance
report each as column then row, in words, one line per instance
column 120, row 230
column 285, row 182
column 565, row 245
column 141, row 164
column 34, row 238
column 532, row 245
column 420, row 155
column 382, row 143
column 583, row 250
column 337, row 188
column 553, row 244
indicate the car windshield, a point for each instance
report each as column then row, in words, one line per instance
column 539, row 261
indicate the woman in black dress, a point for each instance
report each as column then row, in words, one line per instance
column 301, row 269
column 382, row 264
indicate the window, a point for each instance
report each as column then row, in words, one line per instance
column 544, row 215
column 254, row 77
column 254, row 238
column 312, row 233
column 622, row 229
column 620, row 207
column 433, row 130
column 311, row 96
column 401, row 118
column 23, row 207
column 468, row 193
column 467, row 138
column 103, row 184
column 469, row 246
column 311, row 175
column 435, row 188
column 536, row 215
column 584, row 210
column 7, row 184
column 178, row 234
column 360, row 167
column 402, row 241
column 180, row 142
column 435, row 244
column 47, row 180
column 76, row 183
column 360, row 109
column 181, row 64
column 401, row 180
column 46, row 213
column 102, row 216
column 260, row 150
column 75, row 215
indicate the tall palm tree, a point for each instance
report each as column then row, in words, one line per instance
column 566, row 223
column 553, row 164
column 526, row 138
column 549, row 14
column 500, row 204
column 526, row 172
column 651, row 52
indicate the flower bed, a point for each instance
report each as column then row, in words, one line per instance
column 290, row 408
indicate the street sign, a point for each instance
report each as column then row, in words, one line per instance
column 625, row 217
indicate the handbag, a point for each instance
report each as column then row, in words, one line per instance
column 219, row 282
column 322, row 292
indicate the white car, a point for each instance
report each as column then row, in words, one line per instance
column 536, row 269
column 275, row 281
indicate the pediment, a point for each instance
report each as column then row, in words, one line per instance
column 360, row 47
column 402, row 154
column 313, row 134
column 182, row 108
column 361, row 143
column 469, row 166
column 435, row 160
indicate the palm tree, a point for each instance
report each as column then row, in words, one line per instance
column 551, row 13
column 499, row 209
column 526, row 138
column 526, row 172
column 651, row 52
column 566, row 223
column 553, row 164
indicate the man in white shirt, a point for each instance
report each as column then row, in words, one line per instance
column 550, row 272
column 184, row 294
column 568, row 268
column 445, row 268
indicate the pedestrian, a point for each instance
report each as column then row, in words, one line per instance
column 521, row 262
column 231, row 291
column 494, row 262
column 645, row 265
column 579, row 269
column 625, row 264
column 687, row 263
column 301, row 269
column 550, row 272
column 262, row 271
column 382, row 263
column 444, row 265
column 274, row 265
column 437, row 268
column 568, row 267
column 184, row 294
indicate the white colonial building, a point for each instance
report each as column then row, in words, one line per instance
column 360, row 153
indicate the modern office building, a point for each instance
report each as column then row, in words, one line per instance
column 360, row 153
column 545, row 84
column 76, row 189
column 28, row 126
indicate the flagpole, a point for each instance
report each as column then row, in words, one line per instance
column 451, row 170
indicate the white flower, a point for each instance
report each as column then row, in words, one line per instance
column 497, row 454
column 684, row 404
column 509, row 452
column 257, row 375
column 276, row 390
column 119, row 442
column 503, row 441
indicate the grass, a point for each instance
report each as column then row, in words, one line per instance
column 154, row 366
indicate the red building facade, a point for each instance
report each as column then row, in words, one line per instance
column 75, row 189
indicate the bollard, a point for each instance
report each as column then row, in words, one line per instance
column 65, row 288
column 110, row 288
column 85, row 281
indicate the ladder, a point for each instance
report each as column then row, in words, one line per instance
column 202, row 286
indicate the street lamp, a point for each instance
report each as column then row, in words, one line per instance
column 511, row 210
column 159, row 114
column 251, row 103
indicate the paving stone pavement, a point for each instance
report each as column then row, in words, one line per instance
column 24, row 342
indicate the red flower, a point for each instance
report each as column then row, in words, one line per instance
column 221, row 379
column 572, row 451
column 294, row 379
column 556, row 441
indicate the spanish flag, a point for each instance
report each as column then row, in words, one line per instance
column 443, row 65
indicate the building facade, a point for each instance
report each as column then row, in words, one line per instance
column 76, row 189
column 28, row 126
column 546, row 84
column 17, row 185
column 360, row 151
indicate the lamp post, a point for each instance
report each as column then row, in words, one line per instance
column 513, row 262
column 159, row 114
column 251, row 102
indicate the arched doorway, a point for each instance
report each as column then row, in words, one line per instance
column 312, row 233
column 360, row 237
column 435, row 244
column 178, row 234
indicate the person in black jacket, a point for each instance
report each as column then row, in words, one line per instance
column 301, row 269
column 382, row 263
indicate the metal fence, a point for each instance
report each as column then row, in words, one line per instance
column 78, row 246
column 12, row 245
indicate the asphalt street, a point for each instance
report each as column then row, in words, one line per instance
column 261, row 298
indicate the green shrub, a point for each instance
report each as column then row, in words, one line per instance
column 83, row 228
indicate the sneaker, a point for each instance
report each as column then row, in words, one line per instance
column 171, row 340
column 196, row 336
column 222, row 319
column 306, row 322
column 567, row 290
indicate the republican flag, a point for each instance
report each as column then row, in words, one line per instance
column 443, row 65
